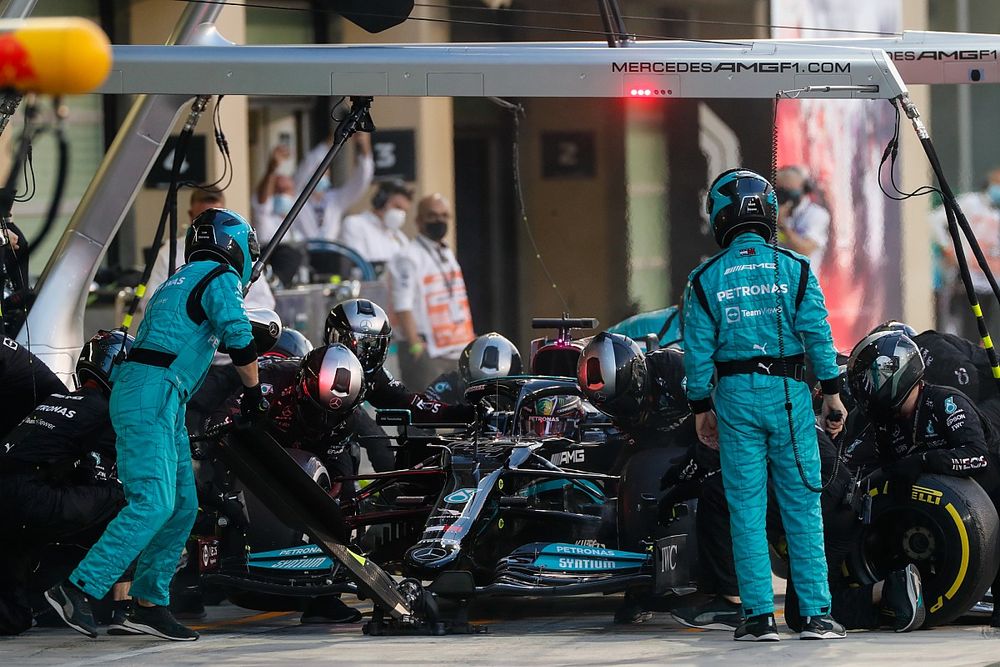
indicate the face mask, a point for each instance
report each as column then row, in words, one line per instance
column 322, row 186
column 994, row 192
column 394, row 218
column 282, row 204
column 436, row 231
column 786, row 195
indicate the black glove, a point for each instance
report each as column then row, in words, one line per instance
column 684, row 469
column 253, row 405
column 680, row 492
column 904, row 472
column 938, row 460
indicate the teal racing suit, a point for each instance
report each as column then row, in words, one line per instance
column 664, row 323
column 731, row 328
column 185, row 320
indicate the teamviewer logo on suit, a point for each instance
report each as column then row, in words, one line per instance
column 732, row 314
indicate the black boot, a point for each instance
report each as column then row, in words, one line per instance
column 759, row 628
column 73, row 607
column 903, row 599
column 821, row 627
column 158, row 622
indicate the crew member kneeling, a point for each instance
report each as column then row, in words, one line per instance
column 57, row 479
column 187, row 317
column 921, row 427
column 742, row 306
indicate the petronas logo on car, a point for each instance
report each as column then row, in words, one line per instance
column 460, row 497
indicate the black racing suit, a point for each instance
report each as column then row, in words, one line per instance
column 57, row 484
column 383, row 391
column 25, row 381
column 286, row 422
column 949, row 436
column 953, row 361
column 664, row 417
column 386, row 392
column 447, row 388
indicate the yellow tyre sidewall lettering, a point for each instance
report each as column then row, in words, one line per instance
column 963, row 567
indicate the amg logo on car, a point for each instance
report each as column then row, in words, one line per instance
column 924, row 495
column 730, row 67
column 575, row 456
column 965, row 54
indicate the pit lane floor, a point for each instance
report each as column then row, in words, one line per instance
column 533, row 633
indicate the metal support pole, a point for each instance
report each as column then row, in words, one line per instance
column 55, row 323
column 18, row 9
column 964, row 111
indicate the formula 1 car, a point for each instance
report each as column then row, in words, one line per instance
column 500, row 504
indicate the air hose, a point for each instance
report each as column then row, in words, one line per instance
column 779, row 319
column 957, row 221
column 62, row 172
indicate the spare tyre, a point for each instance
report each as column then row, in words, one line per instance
column 947, row 526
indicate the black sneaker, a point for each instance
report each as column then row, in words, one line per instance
column 118, row 615
column 716, row 614
column 903, row 599
column 821, row 627
column 329, row 609
column 73, row 607
column 632, row 613
column 158, row 622
column 759, row 628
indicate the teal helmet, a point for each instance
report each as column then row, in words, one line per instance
column 741, row 201
column 221, row 235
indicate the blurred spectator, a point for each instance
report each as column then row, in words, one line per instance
column 803, row 224
column 320, row 217
column 428, row 294
column 983, row 212
column 202, row 199
column 377, row 234
column 272, row 201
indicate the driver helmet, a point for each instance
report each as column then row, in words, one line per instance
column 364, row 328
column 896, row 325
column 221, row 235
column 330, row 385
column 552, row 416
column 489, row 356
column 98, row 357
column 291, row 343
column 882, row 370
column 612, row 374
column 740, row 201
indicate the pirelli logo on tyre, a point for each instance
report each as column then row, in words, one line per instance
column 923, row 494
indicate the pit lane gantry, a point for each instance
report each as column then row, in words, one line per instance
column 198, row 60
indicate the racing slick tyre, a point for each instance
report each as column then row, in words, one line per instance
column 947, row 526
column 638, row 501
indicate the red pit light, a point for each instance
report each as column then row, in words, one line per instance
column 642, row 92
